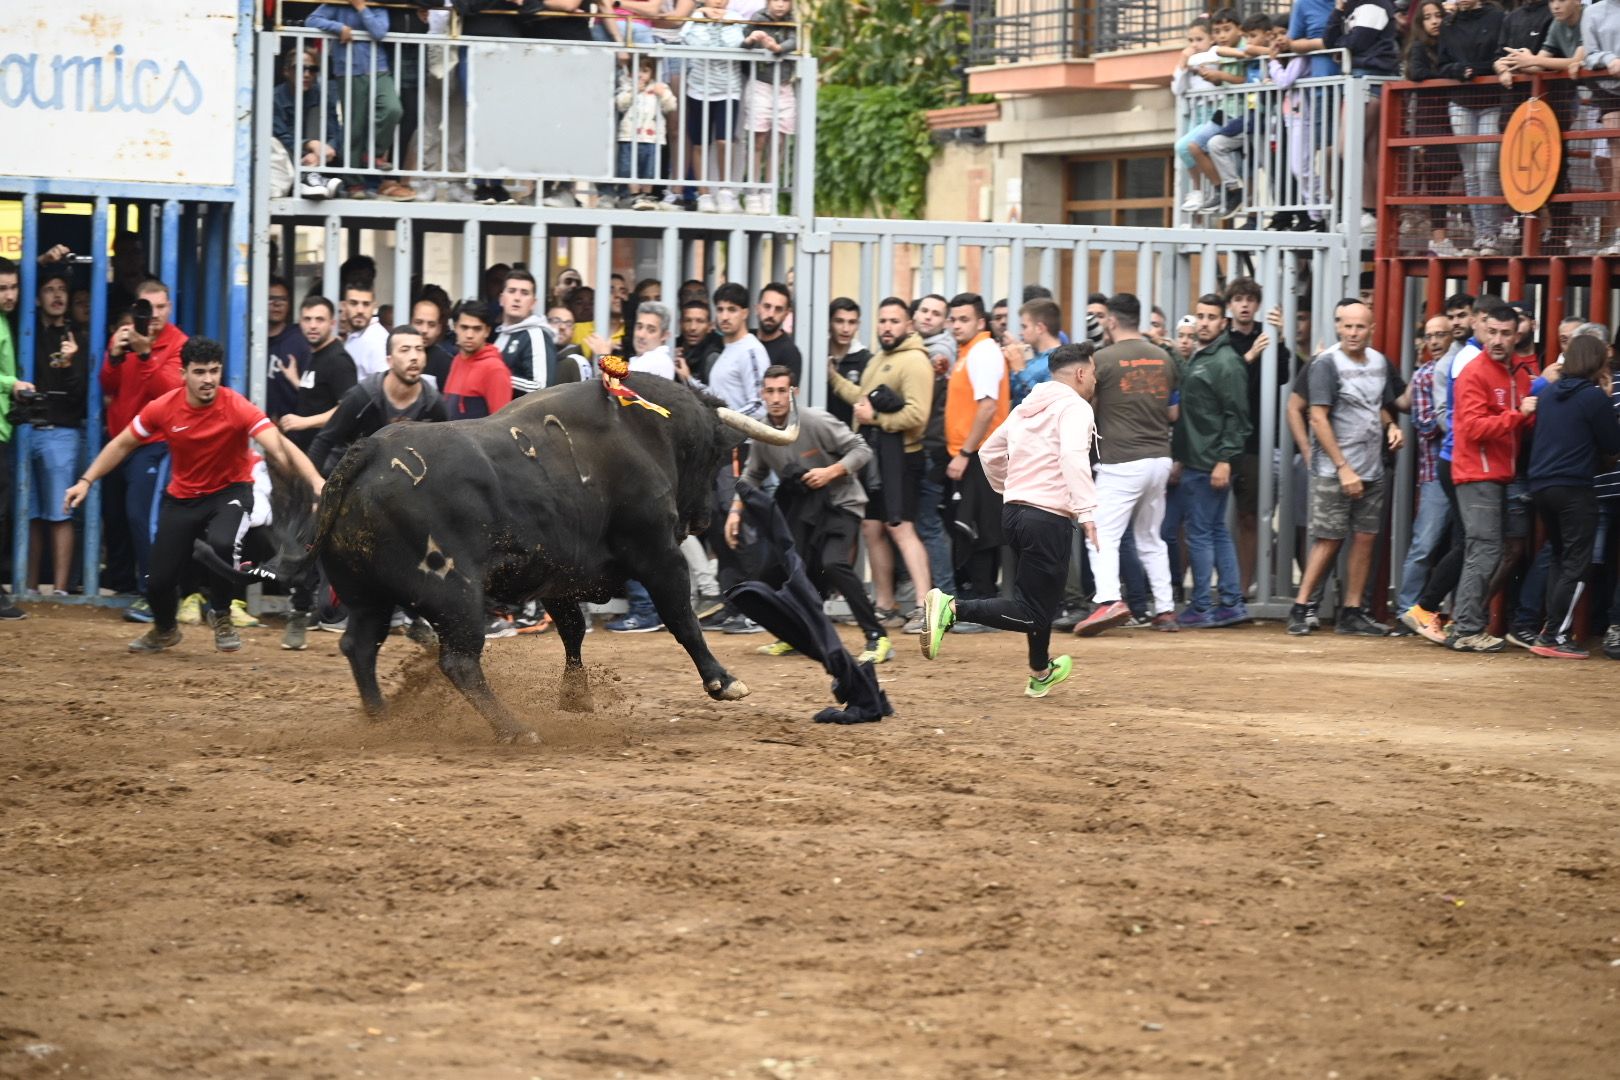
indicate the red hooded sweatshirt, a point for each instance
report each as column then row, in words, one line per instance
column 1488, row 424
column 132, row 382
column 478, row 385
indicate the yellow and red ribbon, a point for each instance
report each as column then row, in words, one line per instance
column 614, row 369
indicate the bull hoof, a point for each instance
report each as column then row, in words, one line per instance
column 524, row 736
column 735, row 690
column 574, row 695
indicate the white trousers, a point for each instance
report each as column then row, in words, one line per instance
column 1131, row 495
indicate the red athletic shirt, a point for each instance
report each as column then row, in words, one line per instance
column 208, row 447
column 478, row 385
column 133, row 382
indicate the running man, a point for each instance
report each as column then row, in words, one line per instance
column 1040, row 461
column 210, row 492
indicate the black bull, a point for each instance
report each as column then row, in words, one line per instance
column 561, row 496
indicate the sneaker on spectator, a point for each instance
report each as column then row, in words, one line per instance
column 138, row 611
column 356, row 191
column 1487, row 245
column 496, row 195
column 705, row 204
column 1354, row 620
column 1104, row 617
column 155, row 640
column 334, row 626
column 241, row 617
column 190, row 613
column 500, row 626
column 705, row 606
column 429, row 191
column 877, row 651
column 1611, row 642
column 741, row 624
column 526, row 617
column 971, row 628
column 1554, row 649
column 561, row 197
column 754, row 203
column 1521, row 638
column 634, row 624
column 1193, row 619
column 889, row 616
column 1481, row 642
column 1231, row 200
column 644, row 202
column 726, row 202
column 1136, row 622
column 1165, row 621
column 1211, row 202
column 625, row 201
column 226, row 639
column 1068, row 618
column 671, row 201
column 1230, row 616
column 1193, row 202
column 716, row 619
column 914, row 622
column 1424, row 622
column 1313, row 616
column 775, row 648
column 10, row 612
column 1369, row 222
column 1444, row 249
column 295, row 637
column 316, row 186
column 1298, row 624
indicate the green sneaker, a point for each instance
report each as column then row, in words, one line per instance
column 877, row 651
column 1041, row 687
column 775, row 648
column 938, row 618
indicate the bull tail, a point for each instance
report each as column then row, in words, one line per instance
column 307, row 532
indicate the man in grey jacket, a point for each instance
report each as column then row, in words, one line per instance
column 821, row 496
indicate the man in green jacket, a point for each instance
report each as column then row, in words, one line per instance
column 10, row 289
column 1208, row 439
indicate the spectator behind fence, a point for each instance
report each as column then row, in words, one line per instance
column 1437, row 165
column 561, row 321
column 61, row 380
column 1227, row 147
column 363, row 335
column 845, row 355
column 773, row 104
column 699, row 342
column 288, row 351
column 524, row 338
column 10, row 387
column 480, row 382
column 1470, row 41
column 977, row 400
column 1029, row 356
column 713, row 96
column 642, row 132
column 1600, row 36
column 321, row 125
column 1200, row 70
column 368, row 89
column 1432, row 519
column 774, row 310
column 430, row 316
column 329, row 373
column 1366, row 30
column 138, row 369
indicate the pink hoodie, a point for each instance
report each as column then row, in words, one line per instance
column 1041, row 455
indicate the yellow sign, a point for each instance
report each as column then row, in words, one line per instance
column 1532, row 150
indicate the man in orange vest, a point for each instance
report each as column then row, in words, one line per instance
column 977, row 400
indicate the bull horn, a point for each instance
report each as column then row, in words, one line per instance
column 763, row 432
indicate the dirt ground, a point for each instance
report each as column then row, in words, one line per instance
column 1227, row 853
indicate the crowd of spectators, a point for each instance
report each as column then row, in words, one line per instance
column 690, row 132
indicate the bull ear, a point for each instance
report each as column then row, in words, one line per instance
column 764, row 433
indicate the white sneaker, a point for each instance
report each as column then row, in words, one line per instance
column 458, row 193
column 705, row 204
column 754, row 203
column 1194, row 201
column 726, row 202
column 1487, row 245
column 562, row 199
column 1444, row 249
column 1211, row 202
column 1369, row 223
column 316, row 186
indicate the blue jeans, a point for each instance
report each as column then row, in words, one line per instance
column 1133, row 578
column 1209, row 544
column 143, row 470
column 1528, row 614
column 644, row 156
column 53, row 462
column 1428, row 530
column 1175, row 516
column 931, row 530
column 1199, row 135
column 641, row 605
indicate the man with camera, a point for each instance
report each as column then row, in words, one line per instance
column 10, row 387
column 142, row 364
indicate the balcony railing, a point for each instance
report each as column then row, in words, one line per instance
column 1289, row 150
column 1441, row 178
column 1013, row 31
column 457, row 113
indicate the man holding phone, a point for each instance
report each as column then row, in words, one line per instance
column 142, row 364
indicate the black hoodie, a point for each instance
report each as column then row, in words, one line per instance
column 1575, row 423
column 1471, row 41
column 364, row 411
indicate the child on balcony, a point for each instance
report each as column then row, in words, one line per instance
column 1226, row 148
column 1199, row 71
column 773, row 104
column 1470, row 41
column 642, row 132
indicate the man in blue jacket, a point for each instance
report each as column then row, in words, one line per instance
column 363, row 67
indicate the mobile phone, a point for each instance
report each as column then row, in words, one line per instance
column 80, row 260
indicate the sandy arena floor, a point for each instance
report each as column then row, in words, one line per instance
column 1219, row 854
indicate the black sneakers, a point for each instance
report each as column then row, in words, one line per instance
column 1354, row 620
column 1299, row 622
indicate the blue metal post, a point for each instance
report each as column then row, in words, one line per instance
column 189, row 281
column 213, row 253
column 239, row 244
column 27, row 329
column 169, row 267
column 92, row 419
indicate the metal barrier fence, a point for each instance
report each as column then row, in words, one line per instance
column 1014, row 31
column 419, row 116
column 1289, row 150
column 1441, row 178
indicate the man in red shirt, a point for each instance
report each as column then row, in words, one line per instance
column 210, row 490
column 480, row 383
column 136, row 369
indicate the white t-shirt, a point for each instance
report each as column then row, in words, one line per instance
column 368, row 349
column 986, row 367
column 656, row 362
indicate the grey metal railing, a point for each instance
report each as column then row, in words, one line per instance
column 1012, row 31
column 481, row 116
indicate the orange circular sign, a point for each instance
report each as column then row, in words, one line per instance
column 1532, row 150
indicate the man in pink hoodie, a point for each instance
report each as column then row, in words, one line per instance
column 1040, row 462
